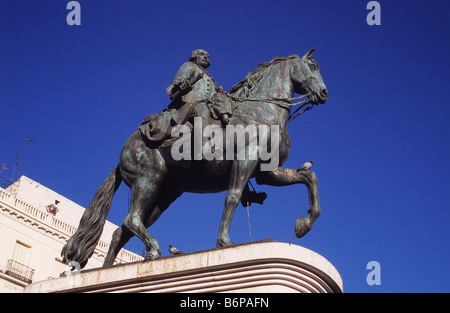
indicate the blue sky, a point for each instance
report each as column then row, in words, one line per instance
column 380, row 143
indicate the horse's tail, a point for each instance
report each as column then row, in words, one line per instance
column 81, row 245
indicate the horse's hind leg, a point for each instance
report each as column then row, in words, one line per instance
column 119, row 238
column 121, row 235
column 144, row 171
column 165, row 198
column 143, row 194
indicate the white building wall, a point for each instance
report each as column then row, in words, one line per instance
column 40, row 197
column 24, row 218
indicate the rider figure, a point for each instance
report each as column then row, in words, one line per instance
column 193, row 84
column 203, row 89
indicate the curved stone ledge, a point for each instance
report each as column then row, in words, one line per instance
column 253, row 267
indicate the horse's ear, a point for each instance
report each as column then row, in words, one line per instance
column 309, row 54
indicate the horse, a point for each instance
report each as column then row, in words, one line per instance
column 156, row 180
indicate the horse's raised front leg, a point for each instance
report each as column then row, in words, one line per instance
column 240, row 174
column 284, row 177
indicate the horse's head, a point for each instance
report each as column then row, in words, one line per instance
column 306, row 78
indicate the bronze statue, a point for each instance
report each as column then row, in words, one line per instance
column 261, row 102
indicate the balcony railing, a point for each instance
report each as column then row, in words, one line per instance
column 43, row 219
column 19, row 271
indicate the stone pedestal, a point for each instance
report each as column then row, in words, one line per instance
column 265, row 266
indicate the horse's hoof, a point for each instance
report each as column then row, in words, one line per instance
column 302, row 226
column 153, row 255
column 220, row 244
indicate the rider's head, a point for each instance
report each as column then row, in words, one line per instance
column 200, row 57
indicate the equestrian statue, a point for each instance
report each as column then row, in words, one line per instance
column 158, row 165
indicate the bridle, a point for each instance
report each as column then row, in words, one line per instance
column 283, row 103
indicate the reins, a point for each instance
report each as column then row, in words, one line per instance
column 283, row 104
column 305, row 102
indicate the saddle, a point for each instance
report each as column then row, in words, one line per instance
column 156, row 128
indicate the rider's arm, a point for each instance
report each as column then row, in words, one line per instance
column 186, row 71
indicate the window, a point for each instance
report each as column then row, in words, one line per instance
column 18, row 265
column 22, row 253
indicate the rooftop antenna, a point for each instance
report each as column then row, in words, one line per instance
column 23, row 154
column 15, row 166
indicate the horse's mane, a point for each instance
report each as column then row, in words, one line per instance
column 246, row 87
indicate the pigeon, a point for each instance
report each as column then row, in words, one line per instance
column 306, row 166
column 174, row 251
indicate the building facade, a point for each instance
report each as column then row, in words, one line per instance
column 35, row 224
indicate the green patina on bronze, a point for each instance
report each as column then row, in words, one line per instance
column 263, row 97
